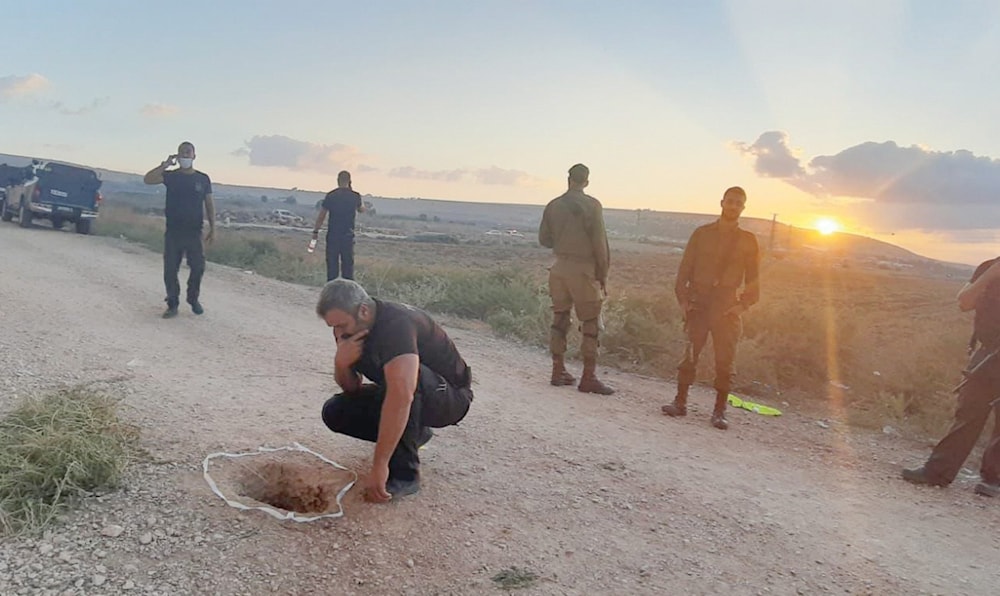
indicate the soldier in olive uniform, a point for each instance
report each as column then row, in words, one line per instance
column 977, row 394
column 719, row 259
column 573, row 227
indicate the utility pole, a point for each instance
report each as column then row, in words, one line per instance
column 770, row 242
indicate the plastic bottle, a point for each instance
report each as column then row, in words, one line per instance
column 312, row 245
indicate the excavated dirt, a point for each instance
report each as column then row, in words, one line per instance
column 292, row 486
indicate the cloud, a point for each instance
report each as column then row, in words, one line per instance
column 158, row 110
column 773, row 157
column 413, row 173
column 285, row 152
column 882, row 172
column 89, row 108
column 906, row 187
column 12, row 86
column 492, row 175
column 500, row 176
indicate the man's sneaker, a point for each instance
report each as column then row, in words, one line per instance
column 170, row 313
column 988, row 489
column 919, row 476
column 196, row 308
column 401, row 488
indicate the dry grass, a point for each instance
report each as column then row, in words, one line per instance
column 883, row 347
column 55, row 448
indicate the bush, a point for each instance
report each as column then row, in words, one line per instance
column 238, row 251
column 56, row 448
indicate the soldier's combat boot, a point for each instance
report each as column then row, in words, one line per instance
column 560, row 376
column 719, row 413
column 589, row 383
column 679, row 407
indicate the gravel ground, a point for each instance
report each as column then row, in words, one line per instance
column 594, row 495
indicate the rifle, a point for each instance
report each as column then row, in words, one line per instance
column 970, row 372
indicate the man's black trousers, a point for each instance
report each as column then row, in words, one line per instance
column 339, row 256
column 976, row 400
column 435, row 404
column 176, row 246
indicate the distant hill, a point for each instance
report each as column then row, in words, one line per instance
column 655, row 227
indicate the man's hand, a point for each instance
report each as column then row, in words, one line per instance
column 210, row 236
column 349, row 349
column 169, row 161
column 737, row 310
column 375, row 484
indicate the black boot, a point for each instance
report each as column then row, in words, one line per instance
column 679, row 405
column 719, row 413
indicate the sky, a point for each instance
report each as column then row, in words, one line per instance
column 884, row 115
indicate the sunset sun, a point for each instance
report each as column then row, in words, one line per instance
column 827, row 226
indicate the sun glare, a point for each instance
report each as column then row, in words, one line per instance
column 827, row 226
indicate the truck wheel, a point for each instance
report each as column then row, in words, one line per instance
column 24, row 216
column 58, row 223
column 6, row 214
column 83, row 226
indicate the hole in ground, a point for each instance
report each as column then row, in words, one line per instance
column 290, row 486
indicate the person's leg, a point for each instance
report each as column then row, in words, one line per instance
column 562, row 303
column 357, row 414
column 696, row 329
column 974, row 407
column 172, row 255
column 195, row 251
column 726, row 332
column 332, row 257
column 989, row 470
column 587, row 301
column 435, row 404
column 347, row 255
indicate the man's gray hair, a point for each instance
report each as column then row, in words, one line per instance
column 342, row 294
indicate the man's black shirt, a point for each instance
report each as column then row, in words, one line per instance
column 402, row 329
column 342, row 204
column 185, row 206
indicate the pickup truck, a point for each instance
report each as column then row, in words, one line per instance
column 58, row 192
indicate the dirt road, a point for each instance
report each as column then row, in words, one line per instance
column 595, row 495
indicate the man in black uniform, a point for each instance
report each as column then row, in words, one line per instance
column 189, row 201
column 419, row 380
column 342, row 203
column 978, row 394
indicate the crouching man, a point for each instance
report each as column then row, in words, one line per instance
column 418, row 382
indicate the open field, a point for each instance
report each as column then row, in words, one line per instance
column 885, row 344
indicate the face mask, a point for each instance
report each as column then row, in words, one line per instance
column 185, row 162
